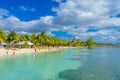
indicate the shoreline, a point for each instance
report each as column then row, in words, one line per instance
column 14, row 52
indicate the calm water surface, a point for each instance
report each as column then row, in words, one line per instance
column 70, row 64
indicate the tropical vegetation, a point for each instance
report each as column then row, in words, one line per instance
column 43, row 39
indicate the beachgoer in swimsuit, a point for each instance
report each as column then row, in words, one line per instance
column 13, row 52
column 7, row 52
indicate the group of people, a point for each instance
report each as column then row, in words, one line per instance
column 7, row 52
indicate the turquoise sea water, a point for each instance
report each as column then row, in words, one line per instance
column 71, row 64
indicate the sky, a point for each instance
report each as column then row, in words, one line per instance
column 65, row 19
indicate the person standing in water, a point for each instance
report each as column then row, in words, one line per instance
column 35, row 52
column 35, row 49
column 13, row 52
column 7, row 52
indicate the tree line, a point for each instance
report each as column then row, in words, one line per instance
column 44, row 39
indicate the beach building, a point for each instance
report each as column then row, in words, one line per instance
column 2, row 44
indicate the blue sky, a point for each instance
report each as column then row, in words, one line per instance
column 29, row 10
column 64, row 19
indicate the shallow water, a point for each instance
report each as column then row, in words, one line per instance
column 87, row 64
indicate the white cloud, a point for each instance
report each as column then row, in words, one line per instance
column 27, row 9
column 75, row 17
column 59, row 1
column 23, row 8
column 13, row 23
column 3, row 12
column 89, row 13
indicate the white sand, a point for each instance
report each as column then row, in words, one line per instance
column 4, row 52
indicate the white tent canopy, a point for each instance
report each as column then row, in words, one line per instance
column 21, row 43
column 1, row 44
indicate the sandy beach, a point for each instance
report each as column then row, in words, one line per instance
column 13, row 52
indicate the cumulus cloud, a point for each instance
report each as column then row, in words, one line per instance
column 75, row 17
column 14, row 23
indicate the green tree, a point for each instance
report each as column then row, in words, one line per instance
column 43, row 38
column 90, row 42
column 1, row 40
column 3, row 35
column 43, row 34
column 32, row 37
column 13, row 36
column 24, row 38
column 39, row 39
column 34, row 40
column 25, row 45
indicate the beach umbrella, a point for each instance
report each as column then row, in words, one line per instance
column 21, row 43
column 29, row 43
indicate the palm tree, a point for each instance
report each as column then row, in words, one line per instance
column 33, row 37
column 90, row 42
column 3, row 35
column 43, row 34
column 1, row 40
column 23, row 38
column 13, row 36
